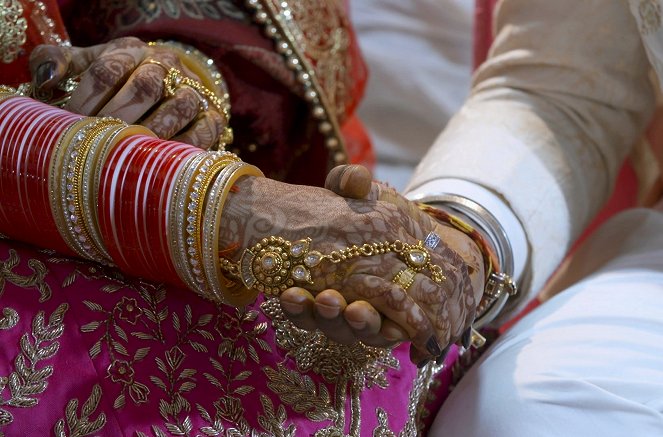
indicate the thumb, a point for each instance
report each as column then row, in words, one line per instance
column 50, row 64
column 353, row 181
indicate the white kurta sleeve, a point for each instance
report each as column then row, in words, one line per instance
column 563, row 96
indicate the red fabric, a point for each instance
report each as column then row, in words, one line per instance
column 17, row 72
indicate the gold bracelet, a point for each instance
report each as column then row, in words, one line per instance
column 210, row 169
column 57, row 180
column 177, row 218
column 175, row 79
column 82, row 184
column 222, row 288
column 275, row 264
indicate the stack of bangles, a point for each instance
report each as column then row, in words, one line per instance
column 115, row 194
column 499, row 285
column 102, row 190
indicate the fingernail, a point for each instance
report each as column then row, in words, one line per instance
column 357, row 324
column 292, row 308
column 328, row 311
column 466, row 339
column 423, row 362
column 45, row 72
column 433, row 347
column 443, row 355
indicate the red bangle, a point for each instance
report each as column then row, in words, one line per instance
column 134, row 192
column 161, row 185
column 29, row 131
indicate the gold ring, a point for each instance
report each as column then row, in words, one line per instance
column 405, row 278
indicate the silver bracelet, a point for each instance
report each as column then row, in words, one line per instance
column 499, row 286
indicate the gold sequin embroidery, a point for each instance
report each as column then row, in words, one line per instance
column 12, row 30
column 28, row 379
column 81, row 426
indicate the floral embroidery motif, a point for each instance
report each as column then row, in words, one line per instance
column 9, row 318
column 81, row 426
column 179, row 382
column 36, row 279
column 115, row 338
column 301, row 394
column 650, row 16
column 314, row 352
column 128, row 310
column 130, row 13
column 27, row 379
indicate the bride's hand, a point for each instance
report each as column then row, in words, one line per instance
column 431, row 313
column 125, row 79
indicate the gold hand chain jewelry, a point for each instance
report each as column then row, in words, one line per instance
column 275, row 264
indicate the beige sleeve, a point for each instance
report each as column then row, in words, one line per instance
column 553, row 112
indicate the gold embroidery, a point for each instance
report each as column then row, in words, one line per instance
column 650, row 16
column 383, row 428
column 115, row 338
column 45, row 25
column 12, row 30
column 238, row 337
column 81, row 426
column 313, row 38
column 37, row 279
column 320, row 29
column 349, row 368
column 273, row 421
column 300, row 393
column 179, row 383
column 27, row 380
column 9, row 318
column 312, row 351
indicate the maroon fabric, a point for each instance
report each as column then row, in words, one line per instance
column 268, row 115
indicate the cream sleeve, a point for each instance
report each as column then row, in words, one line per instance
column 564, row 95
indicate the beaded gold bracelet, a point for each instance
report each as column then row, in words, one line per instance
column 221, row 287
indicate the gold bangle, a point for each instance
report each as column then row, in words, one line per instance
column 57, row 179
column 190, row 189
column 222, row 288
column 73, row 163
column 210, row 169
column 177, row 219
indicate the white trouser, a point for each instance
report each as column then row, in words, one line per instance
column 589, row 362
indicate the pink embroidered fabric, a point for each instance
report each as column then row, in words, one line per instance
column 89, row 352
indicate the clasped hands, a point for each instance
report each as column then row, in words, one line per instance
column 359, row 299
column 354, row 300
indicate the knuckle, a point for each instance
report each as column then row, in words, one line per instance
column 146, row 84
column 129, row 41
